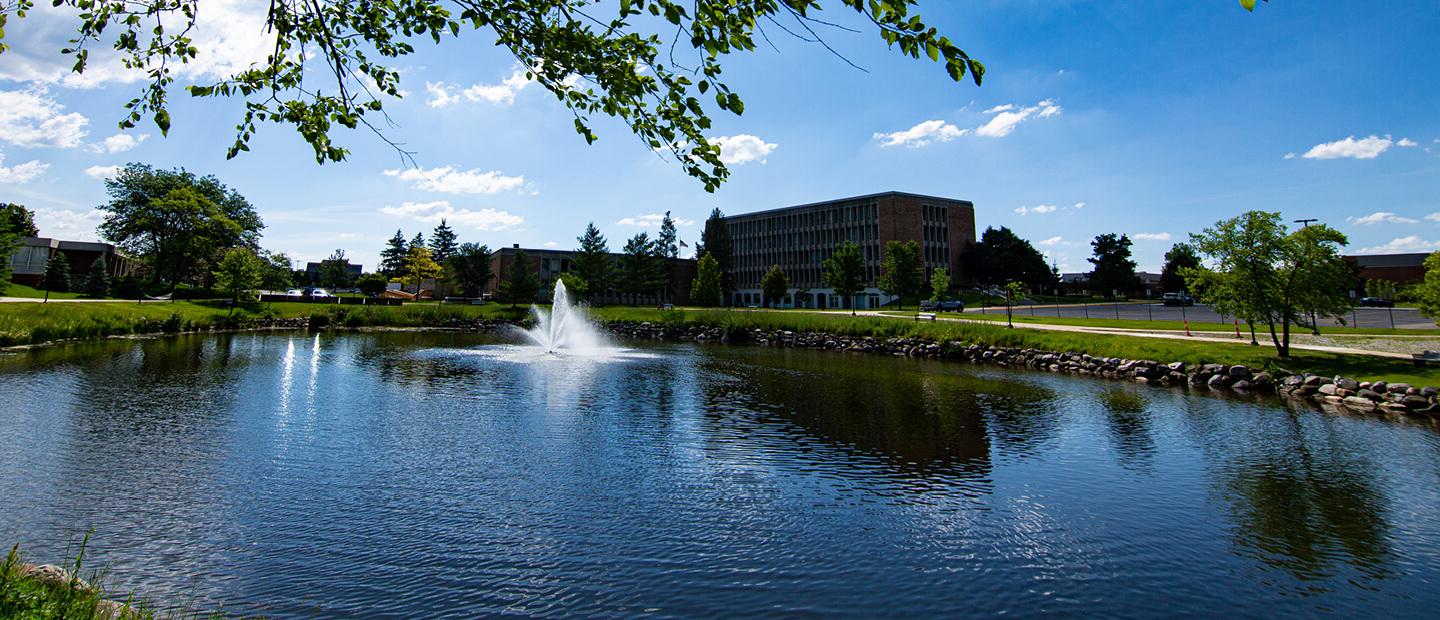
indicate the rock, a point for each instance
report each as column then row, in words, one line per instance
column 1328, row 389
column 1359, row 404
column 1401, row 388
column 1429, row 392
column 1415, row 402
column 1242, row 386
column 1262, row 380
column 1347, row 383
column 1370, row 395
column 1313, row 380
column 1218, row 381
column 1394, row 408
column 53, row 576
column 1176, row 366
column 1239, row 371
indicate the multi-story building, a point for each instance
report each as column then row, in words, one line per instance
column 549, row 264
column 799, row 238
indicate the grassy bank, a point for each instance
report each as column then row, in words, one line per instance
column 1176, row 326
column 27, row 593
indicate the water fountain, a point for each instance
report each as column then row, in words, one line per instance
column 566, row 330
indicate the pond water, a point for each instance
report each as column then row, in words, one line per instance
column 444, row 475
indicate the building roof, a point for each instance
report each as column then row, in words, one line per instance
column 76, row 246
column 1389, row 260
column 889, row 194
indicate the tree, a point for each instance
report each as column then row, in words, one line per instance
column 443, row 242
column 97, row 282
column 715, row 241
column 641, row 267
column 1014, row 291
column 774, row 285
column 420, row 267
column 574, row 285
column 1113, row 271
column 372, row 284
column 417, row 242
column 1181, row 256
column 1265, row 276
column 392, row 258
column 1001, row 256
column 901, row 273
column 705, row 290
column 470, row 269
column 57, row 275
column 178, row 224
column 8, row 241
column 1384, row 289
column 335, row 271
column 592, row 262
column 1428, row 292
column 277, row 273
column 17, row 220
column 520, row 283
column 844, row 271
column 666, row 105
column 939, row 284
column 240, row 272
column 667, row 246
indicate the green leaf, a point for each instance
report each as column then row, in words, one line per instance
column 1248, row 4
column 162, row 120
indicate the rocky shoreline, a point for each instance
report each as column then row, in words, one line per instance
column 1337, row 392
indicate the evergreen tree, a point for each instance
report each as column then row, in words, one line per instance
column 97, row 282
column 640, row 267
column 392, row 258
column 706, row 290
column 417, row 242
column 592, row 263
column 667, row 243
column 901, row 272
column 1181, row 256
column 844, row 271
column 470, row 269
column 715, row 241
column 443, row 242
column 520, row 282
column 57, row 275
column 774, row 285
column 1114, row 271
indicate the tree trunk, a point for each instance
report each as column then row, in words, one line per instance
column 1275, row 339
column 1285, row 329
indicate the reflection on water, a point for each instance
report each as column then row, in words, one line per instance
column 406, row 474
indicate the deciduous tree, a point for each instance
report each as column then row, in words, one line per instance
column 335, row 271
column 470, row 269
column 1428, row 292
column 420, row 267
column 1113, row 271
column 1002, row 256
column 939, row 284
column 844, row 271
column 520, row 282
column 774, row 285
column 705, row 291
column 901, row 273
column 17, row 220
column 1181, row 256
column 240, row 272
column 641, row 267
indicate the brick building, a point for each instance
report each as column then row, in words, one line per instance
column 799, row 238
column 1397, row 268
column 549, row 264
column 28, row 260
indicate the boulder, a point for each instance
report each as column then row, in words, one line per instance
column 1218, row 381
column 1370, row 395
column 1242, row 386
column 1358, row 404
column 1329, row 389
column 1347, row 383
column 1239, row 371
column 1400, row 388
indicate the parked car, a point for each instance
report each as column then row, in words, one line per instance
column 1177, row 299
column 927, row 305
column 1376, row 302
column 316, row 292
column 294, row 292
column 951, row 305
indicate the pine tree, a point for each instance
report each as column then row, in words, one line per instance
column 667, row 243
column 97, row 282
column 57, row 275
column 592, row 263
column 715, row 241
column 392, row 258
column 640, row 267
column 520, row 283
column 443, row 243
column 417, row 242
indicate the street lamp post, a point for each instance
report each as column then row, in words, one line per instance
column 1314, row 324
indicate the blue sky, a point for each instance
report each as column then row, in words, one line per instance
column 1153, row 119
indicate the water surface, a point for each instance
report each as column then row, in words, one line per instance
column 429, row 475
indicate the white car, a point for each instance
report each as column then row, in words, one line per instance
column 294, row 292
column 319, row 292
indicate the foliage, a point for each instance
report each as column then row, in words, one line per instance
column 57, row 273
column 939, row 284
column 417, row 242
column 1428, row 293
column 1384, row 289
column 774, row 285
column 901, row 272
column 420, row 267
column 715, row 241
column 240, row 273
column 557, row 41
column 844, row 271
column 176, row 222
column 592, row 263
column 8, row 242
column 706, row 290
column 1113, row 271
column 371, row 284
column 335, row 271
column 17, row 220
column 1265, row 276
column 392, row 258
column 276, row 273
column 470, row 269
column 666, row 242
column 521, row 282
column 1180, row 257
column 573, row 284
column 97, row 282
column 443, row 242
column 1002, row 256
column 642, row 267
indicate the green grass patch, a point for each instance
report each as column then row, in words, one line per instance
column 20, row 290
column 27, row 594
column 1176, row 326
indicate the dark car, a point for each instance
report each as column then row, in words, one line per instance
column 1177, row 299
column 927, row 305
column 950, row 305
column 1376, row 302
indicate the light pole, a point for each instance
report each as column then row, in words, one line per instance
column 1314, row 325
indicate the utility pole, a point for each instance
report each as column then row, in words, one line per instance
column 1314, row 325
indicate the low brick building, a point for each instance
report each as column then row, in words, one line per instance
column 28, row 260
column 1397, row 268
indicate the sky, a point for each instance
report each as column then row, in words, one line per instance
column 1153, row 119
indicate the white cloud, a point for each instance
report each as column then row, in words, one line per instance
column 1381, row 217
column 102, row 172
column 1407, row 142
column 448, row 180
column 1412, row 243
column 31, row 118
column 433, row 212
column 440, row 95
column 504, row 93
column 67, row 224
column 1160, row 236
column 921, row 135
column 119, row 143
column 1007, row 117
column 742, row 149
column 21, row 173
column 1434, row 217
column 1364, row 148
column 652, row 220
column 1038, row 210
column 1289, row 156
column 1079, row 205
column 1056, row 240
column 550, row 244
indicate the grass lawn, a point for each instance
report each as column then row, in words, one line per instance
column 20, row 290
column 1177, row 326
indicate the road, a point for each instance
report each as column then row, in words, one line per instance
column 1404, row 318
